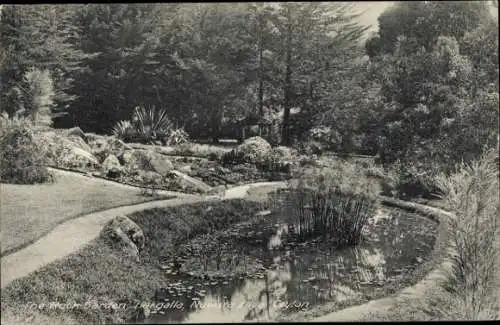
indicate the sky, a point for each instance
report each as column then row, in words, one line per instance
column 372, row 10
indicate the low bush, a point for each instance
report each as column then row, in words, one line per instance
column 332, row 203
column 176, row 137
column 198, row 150
column 412, row 181
column 278, row 160
column 253, row 150
column 21, row 159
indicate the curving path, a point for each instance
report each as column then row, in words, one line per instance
column 72, row 235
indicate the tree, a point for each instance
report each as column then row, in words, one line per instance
column 116, row 39
column 425, row 21
column 312, row 35
column 436, row 67
column 38, row 36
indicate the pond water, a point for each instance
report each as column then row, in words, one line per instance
column 250, row 273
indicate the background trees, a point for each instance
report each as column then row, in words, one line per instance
column 433, row 81
column 425, row 85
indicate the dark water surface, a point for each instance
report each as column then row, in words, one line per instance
column 257, row 276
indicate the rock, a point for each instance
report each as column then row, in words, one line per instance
column 100, row 148
column 103, row 146
column 149, row 177
column 186, row 169
column 217, row 190
column 148, row 160
column 126, row 232
column 111, row 166
column 127, row 157
column 114, row 172
column 76, row 158
column 79, row 142
column 188, row 181
column 117, row 147
column 161, row 164
column 65, row 152
column 74, row 132
column 111, row 162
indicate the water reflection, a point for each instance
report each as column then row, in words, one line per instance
column 299, row 277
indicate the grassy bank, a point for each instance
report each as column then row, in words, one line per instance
column 30, row 211
column 96, row 278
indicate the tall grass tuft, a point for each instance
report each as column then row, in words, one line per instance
column 331, row 203
column 472, row 194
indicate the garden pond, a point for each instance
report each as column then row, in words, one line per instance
column 254, row 271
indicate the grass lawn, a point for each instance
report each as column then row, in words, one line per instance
column 27, row 212
column 99, row 275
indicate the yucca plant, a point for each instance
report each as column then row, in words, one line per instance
column 124, row 130
column 151, row 124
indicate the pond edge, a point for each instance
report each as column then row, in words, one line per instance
column 436, row 277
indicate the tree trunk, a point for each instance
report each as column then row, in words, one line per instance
column 261, row 71
column 288, row 84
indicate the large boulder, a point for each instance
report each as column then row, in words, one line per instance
column 64, row 152
column 188, row 183
column 78, row 158
column 147, row 160
column 79, row 142
column 100, row 148
column 103, row 146
column 126, row 233
column 111, row 166
column 74, row 132
column 253, row 150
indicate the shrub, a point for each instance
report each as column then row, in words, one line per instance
column 176, row 137
column 253, row 150
column 311, row 147
column 21, row 160
column 412, row 181
column 331, row 203
column 472, row 194
column 279, row 159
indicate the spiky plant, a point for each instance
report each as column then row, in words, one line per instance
column 151, row 123
column 124, row 130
